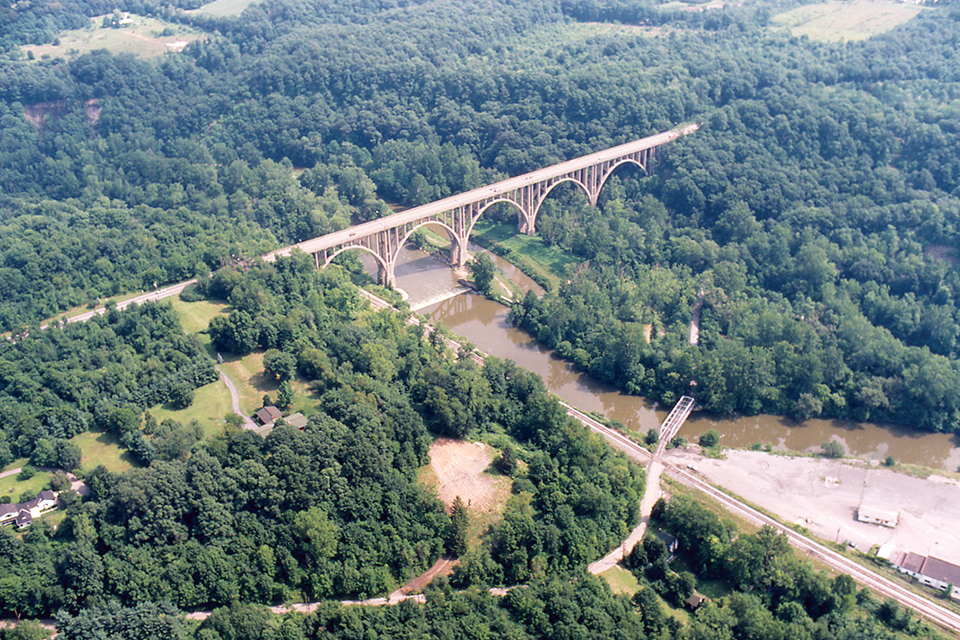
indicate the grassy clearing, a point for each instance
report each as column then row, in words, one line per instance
column 252, row 384
column 211, row 404
column 14, row 488
column 196, row 316
column 552, row 263
column 856, row 20
column 223, row 8
column 102, row 448
column 145, row 38
column 621, row 580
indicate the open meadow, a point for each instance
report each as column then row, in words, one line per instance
column 835, row 21
column 144, row 37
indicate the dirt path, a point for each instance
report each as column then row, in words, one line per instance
column 442, row 567
column 248, row 422
column 695, row 320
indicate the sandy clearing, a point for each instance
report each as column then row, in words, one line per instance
column 460, row 467
column 823, row 496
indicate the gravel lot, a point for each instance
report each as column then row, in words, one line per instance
column 823, row 495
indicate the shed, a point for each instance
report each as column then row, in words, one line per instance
column 695, row 601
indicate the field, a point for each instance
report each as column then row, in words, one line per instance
column 196, row 316
column 459, row 468
column 145, row 38
column 551, row 262
column 621, row 580
column 223, row 8
column 835, row 21
column 211, row 403
column 102, row 448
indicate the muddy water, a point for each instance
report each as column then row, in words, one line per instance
column 485, row 324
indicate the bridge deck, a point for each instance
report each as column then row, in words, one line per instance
column 677, row 417
column 338, row 238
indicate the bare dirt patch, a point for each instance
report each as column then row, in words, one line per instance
column 460, row 470
column 824, row 495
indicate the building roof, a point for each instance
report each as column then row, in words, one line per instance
column 874, row 513
column 268, row 414
column 46, row 494
column 8, row 508
column 24, row 518
column 912, row 562
column 297, row 420
column 695, row 600
column 941, row 570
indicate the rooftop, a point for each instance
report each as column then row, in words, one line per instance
column 941, row 570
column 912, row 562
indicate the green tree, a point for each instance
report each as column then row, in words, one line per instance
column 832, row 449
column 459, row 526
column 483, row 269
column 710, row 439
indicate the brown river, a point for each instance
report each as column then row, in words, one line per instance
column 483, row 322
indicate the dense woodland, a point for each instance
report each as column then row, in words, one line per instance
column 816, row 209
column 815, row 213
column 332, row 511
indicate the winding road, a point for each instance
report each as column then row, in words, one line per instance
column 881, row 585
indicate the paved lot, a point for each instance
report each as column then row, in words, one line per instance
column 823, row 495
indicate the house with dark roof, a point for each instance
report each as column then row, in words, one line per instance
column 931, row 571
column 24, row 513
column 268, row 415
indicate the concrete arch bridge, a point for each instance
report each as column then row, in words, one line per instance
column 383, row 238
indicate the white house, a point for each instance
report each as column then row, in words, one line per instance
column 24, row 513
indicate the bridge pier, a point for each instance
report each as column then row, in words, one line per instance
column 458, row 253
column 385, row 275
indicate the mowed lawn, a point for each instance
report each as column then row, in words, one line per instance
column 102, row 448
column 14, row 488
column 621, row 580
column 196, row 316
column 211, row 404
column 856, row 20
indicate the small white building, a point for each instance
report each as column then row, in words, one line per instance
column 874, row 515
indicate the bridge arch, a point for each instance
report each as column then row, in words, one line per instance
column 554, row 185
column 458, row 245
column 384, row 269
column 521, row 214
column 609, row 172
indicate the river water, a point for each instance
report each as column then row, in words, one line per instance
column 484, row 323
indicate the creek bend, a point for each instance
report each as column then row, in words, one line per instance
column 484, row 323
